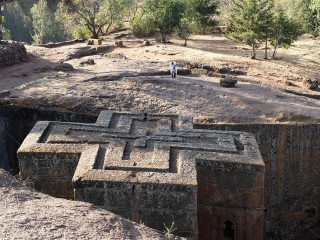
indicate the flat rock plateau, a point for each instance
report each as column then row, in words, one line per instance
column 133, row 78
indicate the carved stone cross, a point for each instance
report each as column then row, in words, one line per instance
column 148, row 167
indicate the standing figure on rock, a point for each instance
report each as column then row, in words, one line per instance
column 173, row 69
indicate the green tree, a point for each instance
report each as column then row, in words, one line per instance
column 285, row 31
column 134, row 9
column 247, row 22
column 311, row 9
column 142, row 26
column 166, row 15
column 266, row 27
column 202, row 12
column 197, row 18
column 185, row 29
column 18, row 21
column 2, row 2
column 293, row 9
column 5, row 32
column 45, row 27
column 96, row 14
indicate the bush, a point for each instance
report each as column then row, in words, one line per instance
column 6, row 34
column 142, row 27
column 185, row 29
column 199, row 28
column 81, row 32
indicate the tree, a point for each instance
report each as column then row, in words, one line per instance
column 97, row 14
column 185, row 29
column 18, row 19
column 247, row 22
column 166, row 15
column 142, row 26
column 2, row 2
column 188, row 21
column 45, row 27
column 5, row 32
column 312, row 16
column 197, row 17
column 293, row 9
column 202, row 11
column 266, row 26
column 285, row 31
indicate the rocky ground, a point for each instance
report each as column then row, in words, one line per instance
column 27, row 214
column 135, row 78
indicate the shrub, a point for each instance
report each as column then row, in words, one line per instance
column 142, row 27
column 81, row 32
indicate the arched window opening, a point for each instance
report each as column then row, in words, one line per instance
column 228, row 232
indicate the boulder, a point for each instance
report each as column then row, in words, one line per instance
column 228, row 82
column 88, row 62
column 81, row 52
column 104, row 48
column 310, row 84
column 90, row 42
column 94, row 42
column 12, row 53
column 118, row 43
column 64, row 67
column 146, row 43
column 4, row 93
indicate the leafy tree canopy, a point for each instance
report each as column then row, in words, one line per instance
column 285, row 31
column 248, row 22
column 166, row 14
column 97, row 14
column 5, row 32
column 45, row 27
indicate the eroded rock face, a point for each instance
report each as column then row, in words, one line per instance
column 12, row 53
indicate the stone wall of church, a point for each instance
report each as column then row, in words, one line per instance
column 291, row 153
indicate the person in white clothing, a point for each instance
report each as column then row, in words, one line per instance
column 173, row 69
